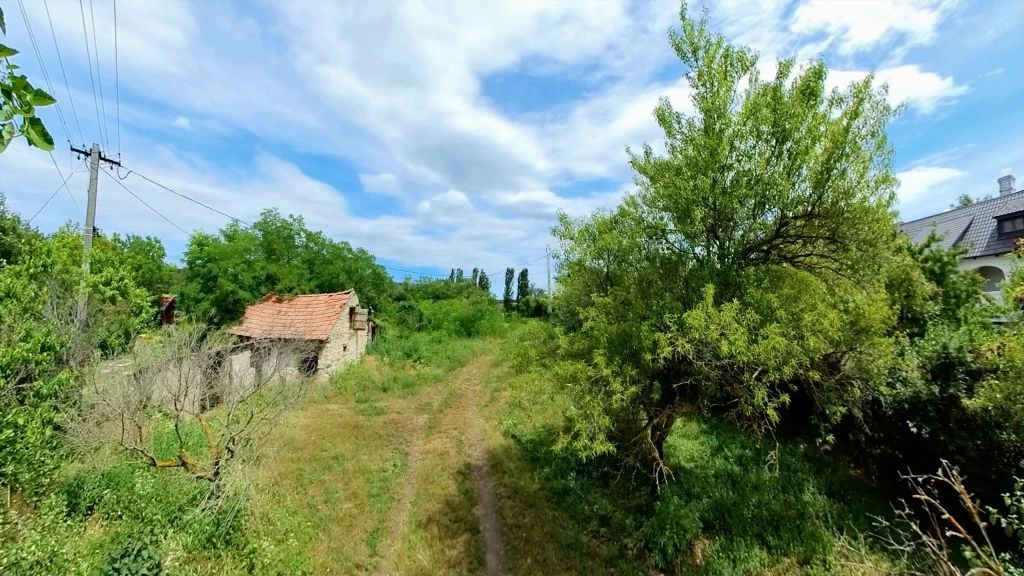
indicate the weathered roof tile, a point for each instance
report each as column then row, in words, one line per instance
column 305, row 317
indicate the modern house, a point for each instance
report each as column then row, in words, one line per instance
column 331, row 329
column 989, row 230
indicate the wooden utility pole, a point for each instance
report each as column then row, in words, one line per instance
column 547, row 255
column 95, row 157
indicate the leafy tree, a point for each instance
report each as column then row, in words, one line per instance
column 485, row 282
column 229, row 270
column 510, row 275
column 18, row 102
column 476, row 276
column 745, row 271
column 16, row 237
column 458, row 275
column 42, row 347
column 146, row 258
column 451, row 275
column 968, row 200
column 523, row 285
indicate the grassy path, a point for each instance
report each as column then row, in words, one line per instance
column 388, row 474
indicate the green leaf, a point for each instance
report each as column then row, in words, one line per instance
column 41, row 98
column 6, row 135
column 7, row 51
column 37, row 134
column 3, row 25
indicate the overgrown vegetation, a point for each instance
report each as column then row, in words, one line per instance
column 745, row 366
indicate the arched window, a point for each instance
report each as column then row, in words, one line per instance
column 993, row 277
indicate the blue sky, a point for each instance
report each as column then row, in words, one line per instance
column 449, row 134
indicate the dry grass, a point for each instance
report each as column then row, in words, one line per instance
column 373, row 478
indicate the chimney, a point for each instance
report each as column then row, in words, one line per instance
column 1006, row 185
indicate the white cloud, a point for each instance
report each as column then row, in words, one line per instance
column 397, row 91
column 855, row 25
column 920, row 183
column 383, row 182
column 922, row 91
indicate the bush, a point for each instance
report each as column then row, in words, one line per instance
column 138, row 556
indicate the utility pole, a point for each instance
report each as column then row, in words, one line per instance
column 95, row 157
column 547, row 255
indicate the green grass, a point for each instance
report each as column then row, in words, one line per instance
column 381, row 497
column 735, row 504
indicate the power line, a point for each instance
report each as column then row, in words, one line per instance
column 193, row 200
column 42, row 65
column 537, row 259
column 63, row 184
column 63, row 73
column 146, row 204
column 117, row 83
column 70, row 195
column 88, row 60
column 99, row 74
column 412, row 272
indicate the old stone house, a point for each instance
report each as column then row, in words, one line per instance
column 331, row 330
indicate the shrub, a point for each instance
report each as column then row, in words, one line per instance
column 138, row 556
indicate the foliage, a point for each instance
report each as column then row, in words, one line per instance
column 180, row 402
column 239, row 265
column 147, row 259
column 42, row 344
column 484, row 282
column 18, row 103
column 454, row 308
column 740, row 506
column 91, row 522
column 523, row 285
column 139, row 556
column 952, row 393
column 506, row 295
column 953, row 539
column 743, row 275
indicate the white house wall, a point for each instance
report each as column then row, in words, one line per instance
column 1003, row 262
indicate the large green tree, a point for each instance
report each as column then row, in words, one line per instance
column 146, row 259
column 506, row 295
column 228, row 270
column 523, row 285
column 746, row 268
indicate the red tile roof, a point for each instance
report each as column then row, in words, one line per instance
column 306, row 317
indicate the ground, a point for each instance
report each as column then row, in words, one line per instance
column 387, row 477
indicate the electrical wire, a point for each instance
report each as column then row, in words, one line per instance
column 117, row 83
column 63, row 184
column 42, row 66
column 146, row 204
column 63, row 73
column 99, row 75
column 70, row 195
column 194, row 201
column 537, row 259
column 412, row 272
column 88, row 59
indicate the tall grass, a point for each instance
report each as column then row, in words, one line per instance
column 734, row 505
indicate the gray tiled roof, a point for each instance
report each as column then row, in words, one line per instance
column 974, row 227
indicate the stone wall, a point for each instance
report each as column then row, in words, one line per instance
column 346, row 344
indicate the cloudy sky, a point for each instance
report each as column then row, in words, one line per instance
column 441, row 134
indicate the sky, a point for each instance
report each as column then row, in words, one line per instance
column 443, row 134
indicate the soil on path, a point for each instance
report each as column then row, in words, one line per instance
column 451, row 436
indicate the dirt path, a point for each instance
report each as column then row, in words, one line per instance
column 400, row 516
column 486, row 501
column 446, row 436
